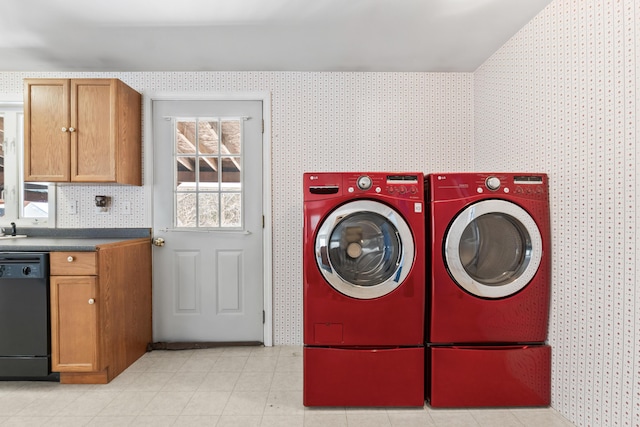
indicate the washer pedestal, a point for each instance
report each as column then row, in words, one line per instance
column 363, row 377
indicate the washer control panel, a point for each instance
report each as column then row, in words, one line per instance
column 397, row 185
column 327, row 185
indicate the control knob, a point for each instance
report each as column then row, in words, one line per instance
column 26, row 271
column 492, row 183
column 364, row 182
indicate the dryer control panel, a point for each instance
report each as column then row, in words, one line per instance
column 449, row 186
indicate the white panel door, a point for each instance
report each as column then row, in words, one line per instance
column 208, row 209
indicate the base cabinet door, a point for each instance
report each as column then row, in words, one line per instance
column 74, row 326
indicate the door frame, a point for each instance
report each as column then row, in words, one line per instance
column 267, row 231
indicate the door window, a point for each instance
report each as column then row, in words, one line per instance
column 493, row 248
column 208, row 191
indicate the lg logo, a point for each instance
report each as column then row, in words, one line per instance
column 441, row 177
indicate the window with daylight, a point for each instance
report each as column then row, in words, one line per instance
column 208, row 171
column 25, row 203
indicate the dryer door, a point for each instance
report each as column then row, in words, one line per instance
column 364, row 249
column 493, row 248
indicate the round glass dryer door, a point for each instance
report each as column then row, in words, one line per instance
column 364, row 249
column 493, row 248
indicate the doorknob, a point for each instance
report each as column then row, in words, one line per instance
column 159, row 241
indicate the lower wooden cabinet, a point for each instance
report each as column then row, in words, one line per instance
column 100, row 310
column 75, row 314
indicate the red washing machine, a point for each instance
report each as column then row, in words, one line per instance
column 488, row 305
column 364, row 289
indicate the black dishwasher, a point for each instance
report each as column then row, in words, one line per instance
column 25, row 343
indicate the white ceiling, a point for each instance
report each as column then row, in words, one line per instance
column 257, row 35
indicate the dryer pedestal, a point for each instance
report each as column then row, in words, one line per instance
column 363, row 377
column 489, row 290
column 486, row 376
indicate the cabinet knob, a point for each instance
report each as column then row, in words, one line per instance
column 64, row 129
column 69, row 258
column 91, row 301
column 72, row 129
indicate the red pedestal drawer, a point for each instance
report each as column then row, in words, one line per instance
column 490, row 376
column 363, row 377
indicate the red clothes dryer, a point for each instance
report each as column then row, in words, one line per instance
column 364, row 289
column 489, row 290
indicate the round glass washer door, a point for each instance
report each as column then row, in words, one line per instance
column 364, row 249
column 493, row 249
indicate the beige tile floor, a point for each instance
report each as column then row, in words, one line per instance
column 233, row 386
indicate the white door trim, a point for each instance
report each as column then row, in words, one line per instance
column 267, row 232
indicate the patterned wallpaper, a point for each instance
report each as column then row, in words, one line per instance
column 320, row 122
column 563, row 97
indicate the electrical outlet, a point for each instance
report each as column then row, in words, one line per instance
column 126, row 207
column 73, row 207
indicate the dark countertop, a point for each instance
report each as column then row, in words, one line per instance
column 81, row 239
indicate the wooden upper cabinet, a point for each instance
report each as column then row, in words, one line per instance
column 47, row 147
column 82, row 130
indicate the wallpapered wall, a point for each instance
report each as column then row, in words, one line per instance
column 563, row 97
column 320, row 122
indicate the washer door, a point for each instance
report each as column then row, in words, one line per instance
column 364, row 249
column 493, row 248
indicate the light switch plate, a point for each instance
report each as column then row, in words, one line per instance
column 73, row 207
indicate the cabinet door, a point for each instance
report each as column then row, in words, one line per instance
column 74, row 327
column 46, row 136
column 94, row 139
